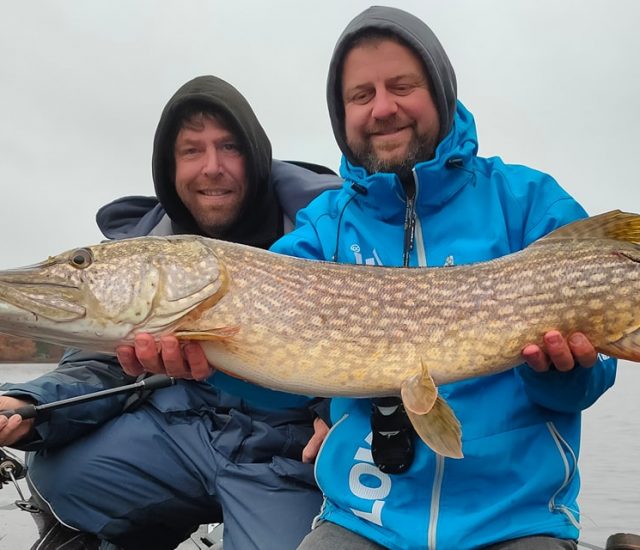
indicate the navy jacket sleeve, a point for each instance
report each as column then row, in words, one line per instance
column 78, row 373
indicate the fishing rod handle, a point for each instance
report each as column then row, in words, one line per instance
column 157, row 381
column 153, row 382
column 28, row 411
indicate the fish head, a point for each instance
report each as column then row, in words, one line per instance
column 97, row 297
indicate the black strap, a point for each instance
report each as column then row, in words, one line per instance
column 393, row 439
column 392, row 444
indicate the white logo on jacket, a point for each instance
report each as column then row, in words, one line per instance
column 358, row 259
column 364, row 467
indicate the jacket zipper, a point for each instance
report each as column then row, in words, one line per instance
column 409, row 230
column 412, row 228
column 413, row 239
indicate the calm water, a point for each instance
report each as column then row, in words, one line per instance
column 609, row 464
column 609, row 459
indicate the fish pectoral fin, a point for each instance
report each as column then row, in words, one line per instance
column 439, row 429
column 220, row 333
column 627, row 347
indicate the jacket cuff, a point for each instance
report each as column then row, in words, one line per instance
column 321, row 409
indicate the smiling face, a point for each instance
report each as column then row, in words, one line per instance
column 211, row 177
column 391, row 121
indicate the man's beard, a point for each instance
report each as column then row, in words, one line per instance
column 421, row 148
column 217, row 228
column 218, row 225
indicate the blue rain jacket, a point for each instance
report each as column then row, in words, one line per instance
column 521, row 429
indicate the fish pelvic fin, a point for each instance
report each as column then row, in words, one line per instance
column 216, row 334
column 627, row 347
column 430, row 415
column 616, row 225
column 419, row 393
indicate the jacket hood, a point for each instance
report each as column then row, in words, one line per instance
column 439, row 178
column 260, row 220
column 417, row 36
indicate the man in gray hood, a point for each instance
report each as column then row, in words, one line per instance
column 188, row 454
column 417, row 193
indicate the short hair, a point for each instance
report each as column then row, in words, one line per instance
column 192, row 115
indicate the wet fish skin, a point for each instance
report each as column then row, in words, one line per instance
column 325, row 329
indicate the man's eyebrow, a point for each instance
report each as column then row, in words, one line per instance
column 227, row 136
column 416, row 77
column 182, row 141
column 358, row 87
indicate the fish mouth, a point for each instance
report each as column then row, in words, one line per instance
column 41, row 294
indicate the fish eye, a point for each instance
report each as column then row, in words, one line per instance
column 81, row 258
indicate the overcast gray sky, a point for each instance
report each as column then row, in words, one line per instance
column 554, row 84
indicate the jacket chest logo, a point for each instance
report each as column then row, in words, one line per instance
column 359, row 259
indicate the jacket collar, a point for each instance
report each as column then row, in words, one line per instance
column 437, row 179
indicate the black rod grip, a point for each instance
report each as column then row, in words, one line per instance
column 154, row 382
column 28, row 411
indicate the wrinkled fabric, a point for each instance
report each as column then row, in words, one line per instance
column 520, row 429
column 147, row 477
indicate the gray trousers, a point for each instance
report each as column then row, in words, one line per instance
column 329, row 536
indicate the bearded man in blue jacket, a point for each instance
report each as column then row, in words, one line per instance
column 417, row 194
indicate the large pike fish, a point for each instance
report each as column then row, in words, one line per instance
column 326, row 329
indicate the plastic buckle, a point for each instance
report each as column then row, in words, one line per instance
column 392, row 444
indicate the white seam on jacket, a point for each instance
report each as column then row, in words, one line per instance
column 34, row 489
column 316, row 520
column 417, row 231
column 563, row 446
column 435, row 503
column 420, row 249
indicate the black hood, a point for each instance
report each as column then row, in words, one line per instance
column 416, row 35
column 260, row 220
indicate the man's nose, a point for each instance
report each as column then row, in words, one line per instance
column 384, row 105
column 212, row 166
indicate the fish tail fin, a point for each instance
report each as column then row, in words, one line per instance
column 616, row 225
column 627, row 347
column 432, row 418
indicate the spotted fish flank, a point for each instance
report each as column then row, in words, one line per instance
column 302, row 326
